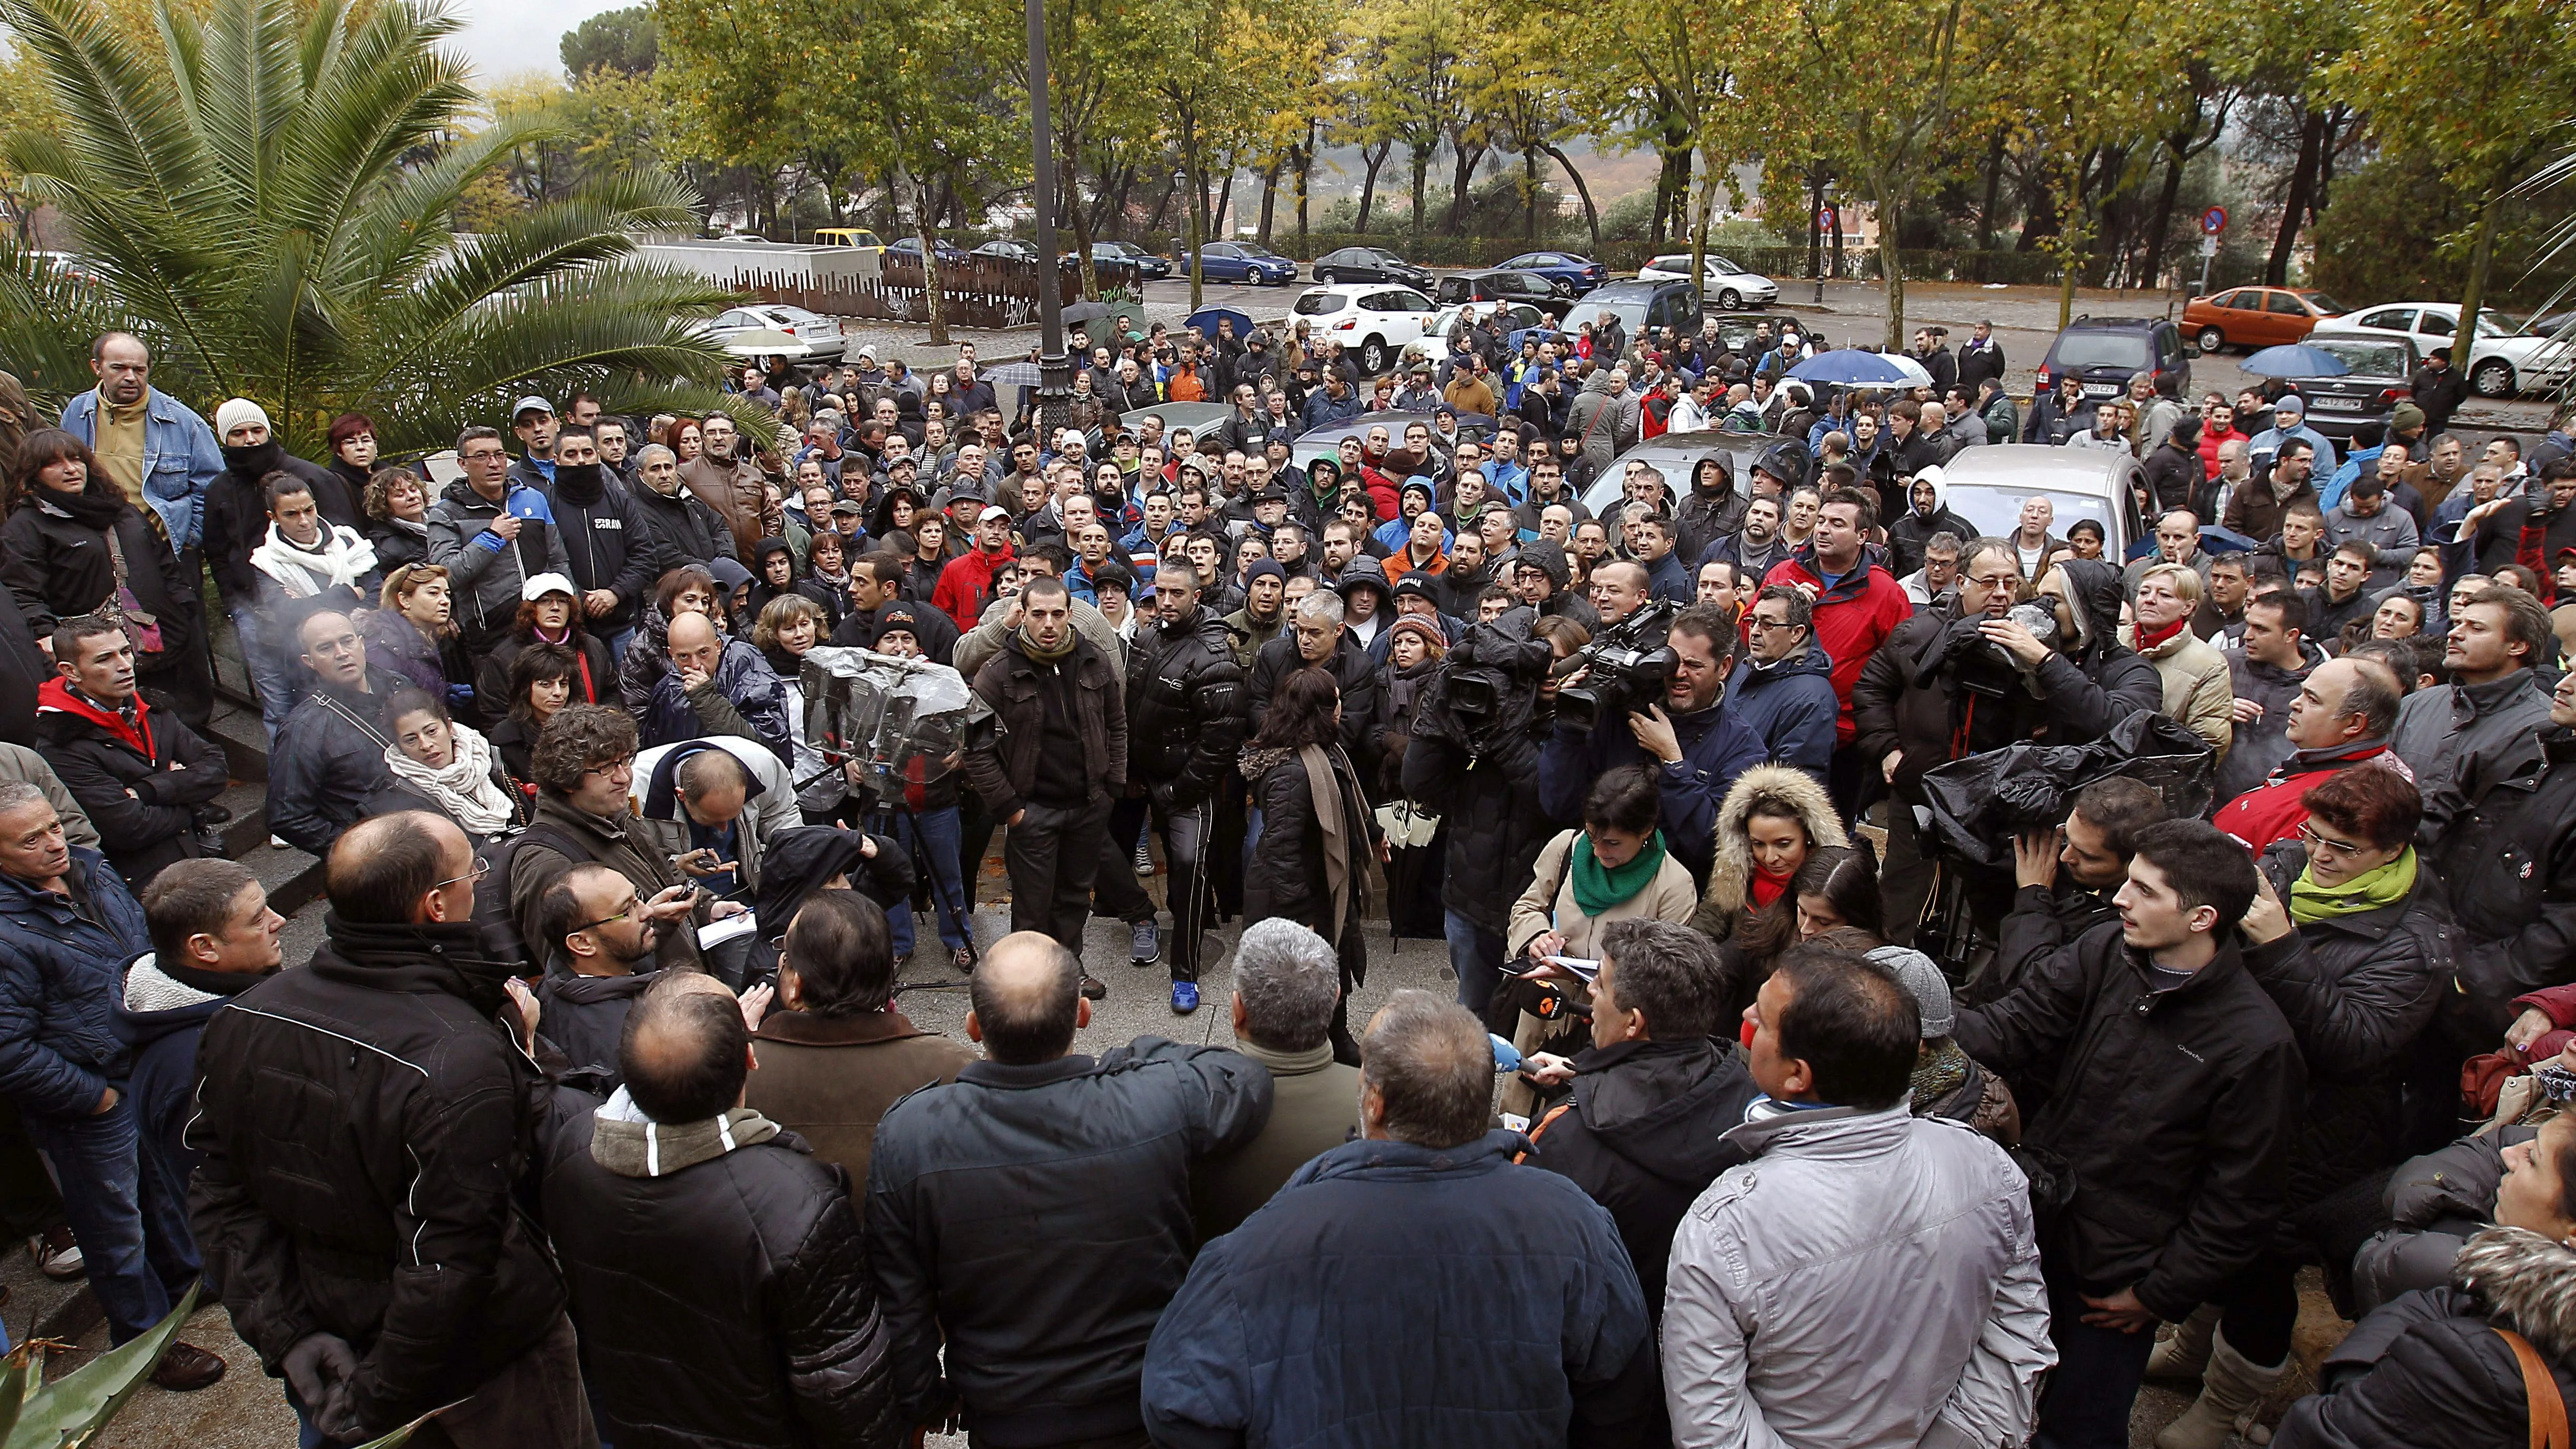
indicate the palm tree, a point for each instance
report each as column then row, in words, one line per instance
column 269, row 201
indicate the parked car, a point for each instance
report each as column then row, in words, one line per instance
column 2252, row 317
column 1674, row 455
column 1721, row 281
column 910, row 248
column 1007, row 248
column 1433, row 345
column 1371, row 264
column 849, row 236
column 1641, row 307
column 1373, row 321
column 1548, row 296
column 2381, row 369
column 2107, row 351
column 1987, row 486
column 1737, row 331
column 818, row 337
column 1581, row 274
column 1148, row 265
column 1242, row 262
column 2502, row 364
column 1193, row 418
column 1326, row 441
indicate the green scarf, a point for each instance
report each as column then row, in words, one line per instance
column 1597, row 888
column 2386, row 886
column 1032, row 648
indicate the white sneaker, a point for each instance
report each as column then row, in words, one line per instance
column 278, row 842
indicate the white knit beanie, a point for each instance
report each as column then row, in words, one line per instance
column 235, row 413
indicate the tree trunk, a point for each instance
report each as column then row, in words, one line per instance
column 1224, row 204
column 1375, row 158
column 1529, row 196
column 1198, row 204
column 1421, row 158
column 2162, row 225
column 1994, row 186
column 1269, row 199
column 2464, row 340
column 1163, row 208
column 1463, row 174
column 2295, row 207
column 1700, row 212
column 923, row 217
column 1887, row 205
column 1591, row 213
column 1815, row 219
column 1305, row 159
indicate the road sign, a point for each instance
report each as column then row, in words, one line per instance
column 2209, row 245
column 1825, row 219
column 2213, row 221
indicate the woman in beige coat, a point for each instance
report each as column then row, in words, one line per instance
column 1614, row 868
column 2197, row 689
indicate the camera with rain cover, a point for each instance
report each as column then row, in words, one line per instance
column 1488, row 683
column 1983, row 666
column 1628, row 666
column 899, row 721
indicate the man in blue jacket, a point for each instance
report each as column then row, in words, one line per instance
column 1414, row 1286
column 158, row 450
column 213, row 937
column 1783, row 689
column 67, row 928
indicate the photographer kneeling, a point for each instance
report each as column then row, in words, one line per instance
column 1983, row 671
column 1694, row 746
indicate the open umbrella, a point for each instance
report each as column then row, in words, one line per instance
column 1852, row 367
column 1083, row 314
column 2296, row 359
column 1205, row 319
column 1013, row 374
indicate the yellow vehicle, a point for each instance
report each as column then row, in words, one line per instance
column 848, row 236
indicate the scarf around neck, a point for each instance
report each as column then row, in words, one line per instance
column 1041, row 653
column 340, row 557
column 465, row 789
column 2369, row 891
column 2152, row 638
column 1768, row 887
column 1599, row 888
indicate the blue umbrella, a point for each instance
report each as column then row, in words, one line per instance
column 1205, row 320
column 2296, row 359
column 1852, row 367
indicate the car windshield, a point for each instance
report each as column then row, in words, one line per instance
column 1631, row 312
column 1317, row 304
column 2368, row 359
column 2102, row 349
column 1996, row 510
column 2322, row 302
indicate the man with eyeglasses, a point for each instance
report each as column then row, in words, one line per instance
column 330, row 752
column 600, row 936
column 584, row 762
column 1783, row 687
column 493, row 535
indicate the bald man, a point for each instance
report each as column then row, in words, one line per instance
column 1044, row 1348
column 715, row 686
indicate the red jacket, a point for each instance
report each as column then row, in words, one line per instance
column 2275, row 809
column 966, row 584
column 1852, row 620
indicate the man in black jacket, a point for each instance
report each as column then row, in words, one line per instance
column 2175, row 1092
column 330, row 753
column 1186, row 705
column 2508, row 865
column 688, row 531
column 140, row 776
column 1317, row 636
column 1044, row 1347
column 367, row 1123
column 596, row 946
column 715, row 1266
column 606, row 537
column 2062, row 885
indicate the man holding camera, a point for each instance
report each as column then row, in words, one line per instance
column 1857, row 607
column 1695, row 745
column 1978, row 673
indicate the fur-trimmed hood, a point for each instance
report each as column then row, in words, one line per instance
column 2528, row 1282
column 1730, row 879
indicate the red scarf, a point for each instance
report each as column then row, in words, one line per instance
column 1768, row 887
column 2151, row 638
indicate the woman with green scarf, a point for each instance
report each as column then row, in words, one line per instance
column 2352, row 941
column 1615, row 868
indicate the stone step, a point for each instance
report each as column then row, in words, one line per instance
column 248, row 829
column 243, row 739
column 291, row 878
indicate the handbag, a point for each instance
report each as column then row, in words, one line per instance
column 142, row 629
column 2540, row 1390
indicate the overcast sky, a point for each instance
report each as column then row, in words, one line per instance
column 506, row 37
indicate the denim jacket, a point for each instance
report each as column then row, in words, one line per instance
column 180, row 457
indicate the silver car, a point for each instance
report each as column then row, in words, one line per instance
column 1988, row 485
column 1730, row 286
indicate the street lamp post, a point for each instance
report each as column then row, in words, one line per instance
column 1055, row 371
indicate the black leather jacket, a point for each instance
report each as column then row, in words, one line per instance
column 1187, row 707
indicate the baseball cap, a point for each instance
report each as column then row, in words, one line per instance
column 992, row 512
column 531, row 404
column 849, row 508
column 543, row 584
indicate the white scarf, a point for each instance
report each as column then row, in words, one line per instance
column 342, row 557
column 465, row 789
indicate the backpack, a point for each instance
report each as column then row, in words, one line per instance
column 496, row 929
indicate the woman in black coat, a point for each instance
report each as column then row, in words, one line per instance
column 69, row 527
column 1311, row 862
column 553, row 617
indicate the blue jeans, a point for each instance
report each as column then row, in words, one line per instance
column 1476, row 956
column 933, row 846
column 131, row 1222
column 2089, row 1398
column 617, row 643
column 267, row 671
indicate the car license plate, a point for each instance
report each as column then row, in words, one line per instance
column 2337, row 404
column 2101, row 389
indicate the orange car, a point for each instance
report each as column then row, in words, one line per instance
column 2251, row 317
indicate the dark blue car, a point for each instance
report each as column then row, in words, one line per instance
column 1243, row 262
column 1581, row 273
column 910, row 249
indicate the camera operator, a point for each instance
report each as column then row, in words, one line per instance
column 2063, row 880
column 1971, row 675
column 1695, row 744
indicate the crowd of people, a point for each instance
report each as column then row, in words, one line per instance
column 1773, row 1104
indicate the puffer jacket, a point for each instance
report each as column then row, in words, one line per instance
column 1187, row 707
column 2197, row 691
column 1004, row 771
column 1352, row 673
column 2357, row 991
column 2430, row 1367
column 1853, row 619
column 2435, row 1204
column 1857, row 1248
column 2508, row 867
column 1730, row 880
column 140, row 784
column 2175, row 1108
column 329, row 1098
column 487, row 581
column 1489, row 802
column 584, row 1017
column 1707, row 516
column 60, row 969
column 1790, row 703
column 744, row 697
column 2262, row 742
column 58, row 567
column 720, row 1284
column 1046, row 1348
column 1306, row 1324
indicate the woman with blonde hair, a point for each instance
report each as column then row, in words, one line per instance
column 412, row 634
column 2197, row 688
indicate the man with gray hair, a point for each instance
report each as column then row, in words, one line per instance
column 689, row 530
column 1317, row 637
column 1286, row 982
column 1418, row 1275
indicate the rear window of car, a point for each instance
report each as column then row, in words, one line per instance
column 2087, row 348
column 2369, row 359
column 1319, row 304
column 1996, row 511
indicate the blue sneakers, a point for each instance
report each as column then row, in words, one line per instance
column 1185, row 997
